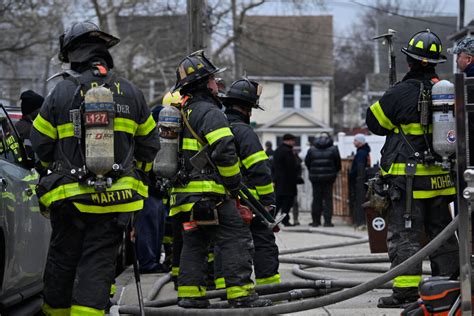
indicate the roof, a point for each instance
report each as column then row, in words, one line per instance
column 443, row 26
column 294, row 121
column 282, row 46
column 459, row 35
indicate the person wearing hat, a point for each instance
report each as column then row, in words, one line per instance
column 285, row 167
column 464, row 51
column 208, row 193
column 465, row 55
column 30, row 106
column 88, row 224
column 357, row 180
column 419, row 189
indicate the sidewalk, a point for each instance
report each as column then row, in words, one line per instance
column 365, row 304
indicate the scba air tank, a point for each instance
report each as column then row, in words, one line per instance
column 99, row 113
column 444, row 125
column 166, row 160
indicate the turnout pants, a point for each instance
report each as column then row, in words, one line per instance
column 81, row 260
column 233, row 238
column 322, row 202
column 265, row 259
column 430, row 216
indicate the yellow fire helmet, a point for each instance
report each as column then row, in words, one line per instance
column 173, row 99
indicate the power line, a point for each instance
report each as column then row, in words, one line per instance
column 402, row 15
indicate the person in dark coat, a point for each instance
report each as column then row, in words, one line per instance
column 285, row 176
column 30, row 106
column 357, row 179
column 324, row 163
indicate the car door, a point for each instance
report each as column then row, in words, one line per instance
column 24, row 231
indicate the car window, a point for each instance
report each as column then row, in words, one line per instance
column 10, row 146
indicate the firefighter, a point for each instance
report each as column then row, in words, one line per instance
column 419, row 190
column 209, row 191
column 243, row 95
column 87, row 220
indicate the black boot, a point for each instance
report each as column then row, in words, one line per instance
column 400, row 298
column 249, row 301
column 193, row 302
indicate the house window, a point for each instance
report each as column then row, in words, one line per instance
column 296, row 96
column 288, row 95
column 305, row 96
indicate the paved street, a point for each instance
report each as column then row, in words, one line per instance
column 361, row 305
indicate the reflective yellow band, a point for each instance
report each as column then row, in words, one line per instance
column 175, row 271
column 433, row 193
column 65, row 130
column 125, row 207
column 44, row 163
column 167, row 239
column 254, row 158
column 229, row 171
column 72, row 189
column 264, row 189
column 398, row 169
column 270, row 280
column 415, row 129
column 181, row 208
column 78, row 310
column 113, row 289
column 147, row 127
column 31, row 177
column 254, row 193
column 214, row 136
column 219, row 283
column 145, row 166
column 407, row 281
column 191, row 291
column 210, row 257
column 239, row 291
column 198, row 186
column 191, row 144
column 383, row 120
column 45, row 127
column 125, row 125
column 50, row 311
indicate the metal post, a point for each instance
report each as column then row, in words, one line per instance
column 464, row 230
column 388, row 38
column 197, row 25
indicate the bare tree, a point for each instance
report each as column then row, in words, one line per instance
column 354, row 52
column 30, row 30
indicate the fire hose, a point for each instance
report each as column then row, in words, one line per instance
column 310, row 303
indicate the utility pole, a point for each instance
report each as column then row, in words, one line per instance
column 197, row 25
column 237, row 29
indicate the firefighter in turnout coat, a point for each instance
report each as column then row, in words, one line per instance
column 419, row 190
column 242, row 96
column 87, row 221
column 209, row 191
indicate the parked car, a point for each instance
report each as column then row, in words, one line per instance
column 24, row 232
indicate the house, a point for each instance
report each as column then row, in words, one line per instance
column 291, row 56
